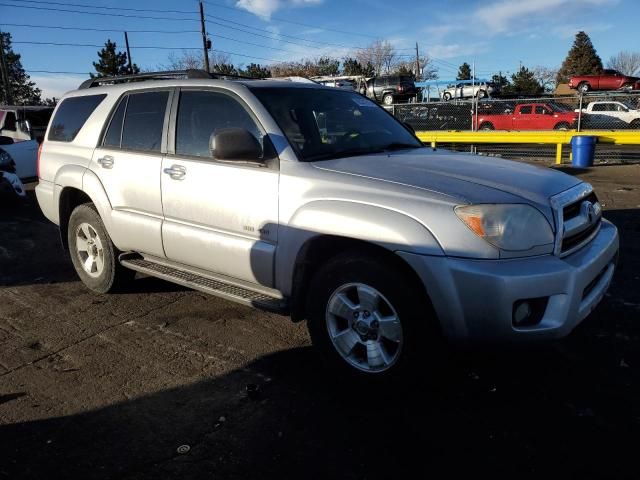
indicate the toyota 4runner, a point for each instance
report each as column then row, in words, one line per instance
column 316, row 202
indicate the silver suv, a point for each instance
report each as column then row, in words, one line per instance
column 316, row 202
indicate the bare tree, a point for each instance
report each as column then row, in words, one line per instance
column 546, row 77
column 428, row 71
column 189, row 59
column 625, row 62
column 380, row 54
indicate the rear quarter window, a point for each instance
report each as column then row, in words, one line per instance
column 71, row 117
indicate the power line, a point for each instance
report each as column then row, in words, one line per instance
column 95, row 29
column 100, row 46
column 81, row 5
column 277, row 34
column 279, row 19
column 99, row 13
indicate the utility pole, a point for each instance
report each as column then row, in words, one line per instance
column 417, row 67
column 4, row 72
column 126, row 41
column 204, row 39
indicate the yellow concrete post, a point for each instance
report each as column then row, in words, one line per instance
column 558, row 154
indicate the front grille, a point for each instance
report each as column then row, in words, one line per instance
column 569, row 243
column 577, row 221
column 573, row 210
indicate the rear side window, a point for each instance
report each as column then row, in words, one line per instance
column 71, row 117
column 202, row 113
column 143, row 121
column 114, row 133
column 525, row 110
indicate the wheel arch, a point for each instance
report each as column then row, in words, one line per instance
column 323, row 229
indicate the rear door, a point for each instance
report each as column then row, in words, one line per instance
column 128, row 163
column 522, row 118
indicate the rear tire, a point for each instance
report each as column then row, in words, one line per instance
column 635, row 123
column 584, row 87
column 368, row 319
column 562, row 126
column 446, row 96
column 387, row 99
column 487, row 126
column 93, row 254
column 481, row 94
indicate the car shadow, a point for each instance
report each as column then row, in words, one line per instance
column 528, row 413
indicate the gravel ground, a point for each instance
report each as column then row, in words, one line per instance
column 152, row 383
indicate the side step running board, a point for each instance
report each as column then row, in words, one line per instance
column 202, row 283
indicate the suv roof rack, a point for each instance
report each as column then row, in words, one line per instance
column 168, row 75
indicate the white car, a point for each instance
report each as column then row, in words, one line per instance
column 610, row 114
column 25, row 157
column 464, row 90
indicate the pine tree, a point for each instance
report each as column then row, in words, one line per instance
column 255, row 70
column 23, row 90
column 524, row 82
column 464, row 72
column 351, row 66
column 112, row 63
column 582, row 59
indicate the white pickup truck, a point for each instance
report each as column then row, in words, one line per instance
column 610, row 114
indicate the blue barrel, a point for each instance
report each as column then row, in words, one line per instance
column 583, row 150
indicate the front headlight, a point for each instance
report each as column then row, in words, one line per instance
column 514, row 227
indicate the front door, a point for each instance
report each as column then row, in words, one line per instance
column 219, row 216
column 128, row 164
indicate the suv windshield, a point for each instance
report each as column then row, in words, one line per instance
column 324, row 124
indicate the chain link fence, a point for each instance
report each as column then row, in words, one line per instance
column 605, row 111
column 609, row 111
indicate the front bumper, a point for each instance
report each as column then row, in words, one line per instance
column 474, row 299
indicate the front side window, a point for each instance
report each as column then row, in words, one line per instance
column 71, row 116
column 143, row 121
column 323, row 124
column 201, row 114
column 525, row 110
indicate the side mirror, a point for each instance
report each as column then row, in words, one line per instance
column 235, row 144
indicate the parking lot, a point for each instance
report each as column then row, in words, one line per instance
column 152, row 383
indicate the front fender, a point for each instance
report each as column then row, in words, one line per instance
column 378, row 225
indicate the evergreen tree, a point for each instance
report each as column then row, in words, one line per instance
column 351, row 66
column 582, row 59
column 112, row 63
column 524, row 82
column 500, row 81
column 464, row 72
column 255, row 70
column 327, row 66
column 224, row 69
column 23, row 90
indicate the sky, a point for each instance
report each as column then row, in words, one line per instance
column 495, row 35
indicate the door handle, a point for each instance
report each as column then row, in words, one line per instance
column 106, row 161
column 177, row 172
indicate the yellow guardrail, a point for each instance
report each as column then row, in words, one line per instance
column 553, row 137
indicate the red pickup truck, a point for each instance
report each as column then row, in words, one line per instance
column 528, row 116
column 607, row 80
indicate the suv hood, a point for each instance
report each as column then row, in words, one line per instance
column 463, row 176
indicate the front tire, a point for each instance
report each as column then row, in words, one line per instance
column 487, row 126
column 584, row 87
column 387, row 99
column 562, row 126
column 446, row 96
column 92, row 252
column 367, row 318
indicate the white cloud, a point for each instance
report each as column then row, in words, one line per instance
column 56, row 85
column 501, row 16
column 265, row 8
column 452, row 50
